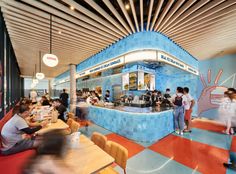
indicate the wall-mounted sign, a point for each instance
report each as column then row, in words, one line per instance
column 162, row 57
column 101, row 67
column 135, row 56
column 141, row 56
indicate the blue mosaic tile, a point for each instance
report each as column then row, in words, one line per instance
column 146, row 127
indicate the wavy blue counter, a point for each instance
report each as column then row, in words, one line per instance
column 141, row 126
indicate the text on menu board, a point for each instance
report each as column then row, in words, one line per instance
column 172, row 61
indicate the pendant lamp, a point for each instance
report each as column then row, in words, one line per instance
column 40, row 75
column 50, row 59
column 35, row 81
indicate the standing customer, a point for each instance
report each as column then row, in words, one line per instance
column 188, row 109
column 13, row 139
column 179, row 101
column 64, row 98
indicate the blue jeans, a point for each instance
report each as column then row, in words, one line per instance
column 232, row 157
column 179, row 117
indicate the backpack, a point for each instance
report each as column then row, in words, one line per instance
column 178, row 100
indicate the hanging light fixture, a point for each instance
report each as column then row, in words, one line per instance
column 40, row 75
column 34, row 80
column 50, row 60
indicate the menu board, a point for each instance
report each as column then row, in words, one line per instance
column 138, row 80
column 133, row 81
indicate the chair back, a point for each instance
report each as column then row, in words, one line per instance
column 69, row 122
column 99, row 139
column 71, row 115
column 74, row 126
column 118, row 152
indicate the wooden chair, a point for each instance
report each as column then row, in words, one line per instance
column 73, row 127
column 99, row 139
column 71, row 115
column 119, row 153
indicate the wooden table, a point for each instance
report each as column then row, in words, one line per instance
column 59, row 125
column 88, row 160
column 84, row 142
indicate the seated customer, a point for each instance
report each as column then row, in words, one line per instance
column 49, row 157
column 57, row 104
column 13, row 131
column 44, row 101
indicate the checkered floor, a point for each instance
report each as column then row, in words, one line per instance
column 202, row 151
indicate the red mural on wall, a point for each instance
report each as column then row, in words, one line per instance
column 212, row 93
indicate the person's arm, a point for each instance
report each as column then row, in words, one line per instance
column 192, row 103
column 29, row 130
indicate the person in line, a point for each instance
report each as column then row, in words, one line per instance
column 13, row 132
column 188, row 109
column 57, row 104
column 44, row 101
column 107, row 96
column 49, row 156
column 64, row 98
column 179, row 101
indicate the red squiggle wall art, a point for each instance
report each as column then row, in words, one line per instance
column 212, row 93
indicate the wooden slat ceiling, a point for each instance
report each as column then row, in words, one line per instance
column 82, row 28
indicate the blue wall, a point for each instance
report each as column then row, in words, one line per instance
column 139, row 41
column 228, row 65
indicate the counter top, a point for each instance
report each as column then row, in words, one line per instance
column 137, row 109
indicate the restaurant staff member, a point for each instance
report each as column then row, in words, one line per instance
column 107, row 96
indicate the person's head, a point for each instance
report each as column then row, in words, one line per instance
column 107, row 91
column 56, row 102
column 64, row 90
column 53, row 143
column 179, row 90
column 231, row 90
column 159, row 93
column 22, row 110
column 186, row 90
column 44, row 98
column 167, row 90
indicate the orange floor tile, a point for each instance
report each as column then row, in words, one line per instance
column 133, row 148
column 204, row 158
column 208, row 125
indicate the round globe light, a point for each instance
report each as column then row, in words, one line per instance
column 50, row 60
column 32, row 85
column 40, row 76
column 35, row 81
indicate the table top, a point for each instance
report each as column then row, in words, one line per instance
column 88, row 160
column 84, row 142
column 58, row 125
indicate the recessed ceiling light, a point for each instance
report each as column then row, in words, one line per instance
column 127, row 7
column 59, row 32
column 72, row 8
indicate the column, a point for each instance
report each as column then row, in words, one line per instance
column 50, row 92
column 72, row 87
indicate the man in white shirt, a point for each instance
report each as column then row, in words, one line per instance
column 179, row 100
column 188, row 109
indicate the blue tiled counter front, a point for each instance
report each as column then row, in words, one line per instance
column 146, row 127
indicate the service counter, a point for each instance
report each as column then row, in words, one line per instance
column 140, row 124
